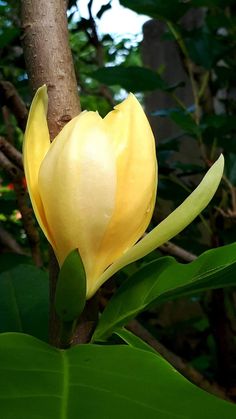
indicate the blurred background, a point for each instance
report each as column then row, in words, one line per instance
column 179, row 59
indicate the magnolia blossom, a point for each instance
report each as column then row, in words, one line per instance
column 94, row 188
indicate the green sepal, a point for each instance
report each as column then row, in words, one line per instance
column 70, row 297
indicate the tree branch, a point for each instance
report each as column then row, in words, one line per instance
column 177, row 251
column 11, row 99
column 49, row 60
column 13, row 171
column 187, row 370
column 9, row 242
column 11, row 152
column 16, row 175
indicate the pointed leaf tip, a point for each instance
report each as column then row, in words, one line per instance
column 71, row 288
column 177, row 221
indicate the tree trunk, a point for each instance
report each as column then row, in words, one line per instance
column 49, row 61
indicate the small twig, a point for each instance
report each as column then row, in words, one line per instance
column 95, row 41
column 11, row 152
column 195, row 90
column 28, row 223
column 13, row 171
column 177, row 251
column 10, row 243
column 87, row 322
column 187, row 370
column 27, row 219
column 8, row 125
column 11, row 99
column 11, row 162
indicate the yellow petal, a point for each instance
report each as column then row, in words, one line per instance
column 35, row 146
column 174, row 223
column 77, row 181
column 136, row 168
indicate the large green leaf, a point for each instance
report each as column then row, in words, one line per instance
column 133, row 79
column 10, row 260
column 158, row 9
column 172, row 225
column 102, row 382
column 24, row 297
column 165, row 279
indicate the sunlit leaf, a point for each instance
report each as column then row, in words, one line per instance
column 89, row 381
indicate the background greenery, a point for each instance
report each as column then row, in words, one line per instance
column 199, row 325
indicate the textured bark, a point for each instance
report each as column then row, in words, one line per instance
column 49, row 60
column 9, row 97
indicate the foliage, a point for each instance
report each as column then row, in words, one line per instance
column 79, row 382
column 190, row 308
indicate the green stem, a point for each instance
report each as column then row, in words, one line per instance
column 178, row 101
column 184, row 50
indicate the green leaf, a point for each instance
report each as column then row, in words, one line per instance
column 205, row 49
column 165, row 279
column 158, row 9
column 8, row 35
column 134, row 341
column 212, row 3
column 70, row 295
column 174, row 223
column 186, row 122
column 132, row 79
column 24, row 295
column 90, row 381
column 10, row 260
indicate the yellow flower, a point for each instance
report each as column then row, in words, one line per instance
column 94, row 188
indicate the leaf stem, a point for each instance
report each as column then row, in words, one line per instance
column 66, row 333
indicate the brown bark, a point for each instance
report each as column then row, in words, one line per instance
column 183, row 367
column 16, row 175
column 172, row 249
column 49, row 60
column 11, row 99
column 8, row 241
column 11, row 152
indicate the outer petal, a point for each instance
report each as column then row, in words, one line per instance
column 35, row 146
column 136, row 168
column 77, row 181
column 174, row 223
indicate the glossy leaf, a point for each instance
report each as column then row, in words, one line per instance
column 24, row 295
column 206, row 49
column 186, row 122
column 178, row 219
column 134, row 341
column 70, row 295
column 133, row 79
column 11, row 260
column 158, row 9
column 165, row 279
column 90, row 381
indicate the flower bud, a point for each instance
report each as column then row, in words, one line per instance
column 94, row 188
